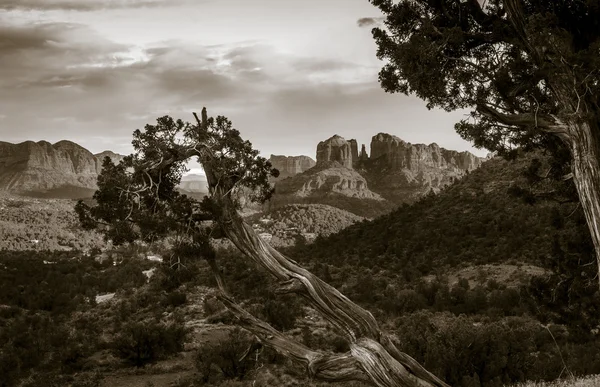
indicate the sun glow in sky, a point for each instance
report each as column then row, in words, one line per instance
column 287, row 73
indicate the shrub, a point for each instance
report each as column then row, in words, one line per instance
column 143, row 342
column 282, row 312
column 176, row 299
column 225, row 357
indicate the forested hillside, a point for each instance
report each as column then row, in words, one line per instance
column 476, row 256
column 42, row 224
column 474, row 221
column 480, row 287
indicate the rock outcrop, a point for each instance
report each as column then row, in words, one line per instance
column 336, row 148
column 401, row 171
column 331, row 183
column 327, row 177
column 291, row 165
column 115, row 157
column 194, row 183
column 396, row 171
column 41, row 166
column 400, row 155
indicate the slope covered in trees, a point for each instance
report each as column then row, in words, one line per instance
column 474, row 221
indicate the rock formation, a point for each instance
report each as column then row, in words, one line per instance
column 327, row 177
column 194, row 183
column 400, row 155
column 115, row 157
column 397, row 171
column 401, row 171
column 40, row 166
column 291, row 165
column 353, row 151
column 337, row 149
column 363, row 154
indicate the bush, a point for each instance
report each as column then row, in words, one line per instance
column 466, row 352
column 282, row 312
column 176, row 299
column 143, row 342
column 224, row 358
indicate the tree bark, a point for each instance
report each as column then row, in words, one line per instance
column 585, row 149
column 373, row 357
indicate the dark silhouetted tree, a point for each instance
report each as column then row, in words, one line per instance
column 528, row 69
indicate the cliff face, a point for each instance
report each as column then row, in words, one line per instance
column 400, row 155
column 336, row 148
column 38, row 166
column 397, row 171
column 291, row 165
column 402, row 172
column 115, row 157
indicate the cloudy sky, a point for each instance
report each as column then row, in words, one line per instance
column 287, row 73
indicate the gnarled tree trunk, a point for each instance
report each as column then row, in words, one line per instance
column 585, row 150
column 372, row 358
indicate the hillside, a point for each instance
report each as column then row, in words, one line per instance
column 42, row 224
column 287, row 225
column 474, row 236
column 473, row 221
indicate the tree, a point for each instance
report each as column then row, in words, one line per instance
column 528, row 69
column 137, row 199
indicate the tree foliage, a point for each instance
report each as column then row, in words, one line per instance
column 514, row 61
column 528, row 69
column 138, row 200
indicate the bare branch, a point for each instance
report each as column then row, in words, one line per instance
column 547, row 123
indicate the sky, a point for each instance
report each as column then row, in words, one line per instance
column 288, row 74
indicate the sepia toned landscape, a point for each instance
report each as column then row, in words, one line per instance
column 362, row 193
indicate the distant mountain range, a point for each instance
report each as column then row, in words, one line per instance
column 62, row 170
column 395, row 172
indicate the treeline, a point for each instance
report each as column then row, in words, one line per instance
column 42, row 224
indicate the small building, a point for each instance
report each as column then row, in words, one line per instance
column 154, row 258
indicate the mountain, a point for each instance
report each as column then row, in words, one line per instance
column 41, row 167
column 473, row 221
column 331, row 183
column 194, row 183
column 291, row 165
column 402, row 172
column 63, row 170
column 396, row 172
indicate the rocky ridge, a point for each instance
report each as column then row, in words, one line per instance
column 31, row 166
column 396, row 171
column 325, row 178
column 291, row 165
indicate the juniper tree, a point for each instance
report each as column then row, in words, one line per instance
column 529, row 71
column 137, row 200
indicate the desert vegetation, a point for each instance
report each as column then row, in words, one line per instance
column 491, row 282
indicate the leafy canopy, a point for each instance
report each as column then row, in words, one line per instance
column 138, row 199
column 523, row 64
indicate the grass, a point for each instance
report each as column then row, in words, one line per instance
column 587, row 381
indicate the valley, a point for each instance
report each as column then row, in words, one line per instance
column 466, row 268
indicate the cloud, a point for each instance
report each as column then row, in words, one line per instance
column 67, row 82
column 81, row 5
column 99, row 87
column 370, row 21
